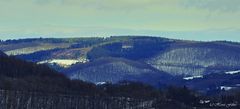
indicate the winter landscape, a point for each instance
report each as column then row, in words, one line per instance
column 129, row 54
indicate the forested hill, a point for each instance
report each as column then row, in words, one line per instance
column 17, row 74
column 29, row 85
column 118, row 69
column 177, row 58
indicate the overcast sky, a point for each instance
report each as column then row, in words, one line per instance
column 181, row 19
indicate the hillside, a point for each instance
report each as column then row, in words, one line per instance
column 198, row 58
column 16, row 74
column 28, row 85
column 123, row 57
column 117, row 69
column 213, row 84
column 93, row 48
column 176, row 57
column 207, row 67
column 29, row 46
column 2, row 54
column 133, row 48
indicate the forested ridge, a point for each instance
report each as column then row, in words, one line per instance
column 152, row 60
column 38, row 86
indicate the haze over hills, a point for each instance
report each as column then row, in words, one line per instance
column 151, row 60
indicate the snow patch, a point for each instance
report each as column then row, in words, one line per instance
column 101, row 83
column 233, row 72
column 204, row 101
column 192, row 77
column 226, row 88
column 64, row 62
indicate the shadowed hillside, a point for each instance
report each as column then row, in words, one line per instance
column 17, row 74
column 2, row 54
column 117, row 69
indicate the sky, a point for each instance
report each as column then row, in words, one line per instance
column 179, row 19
